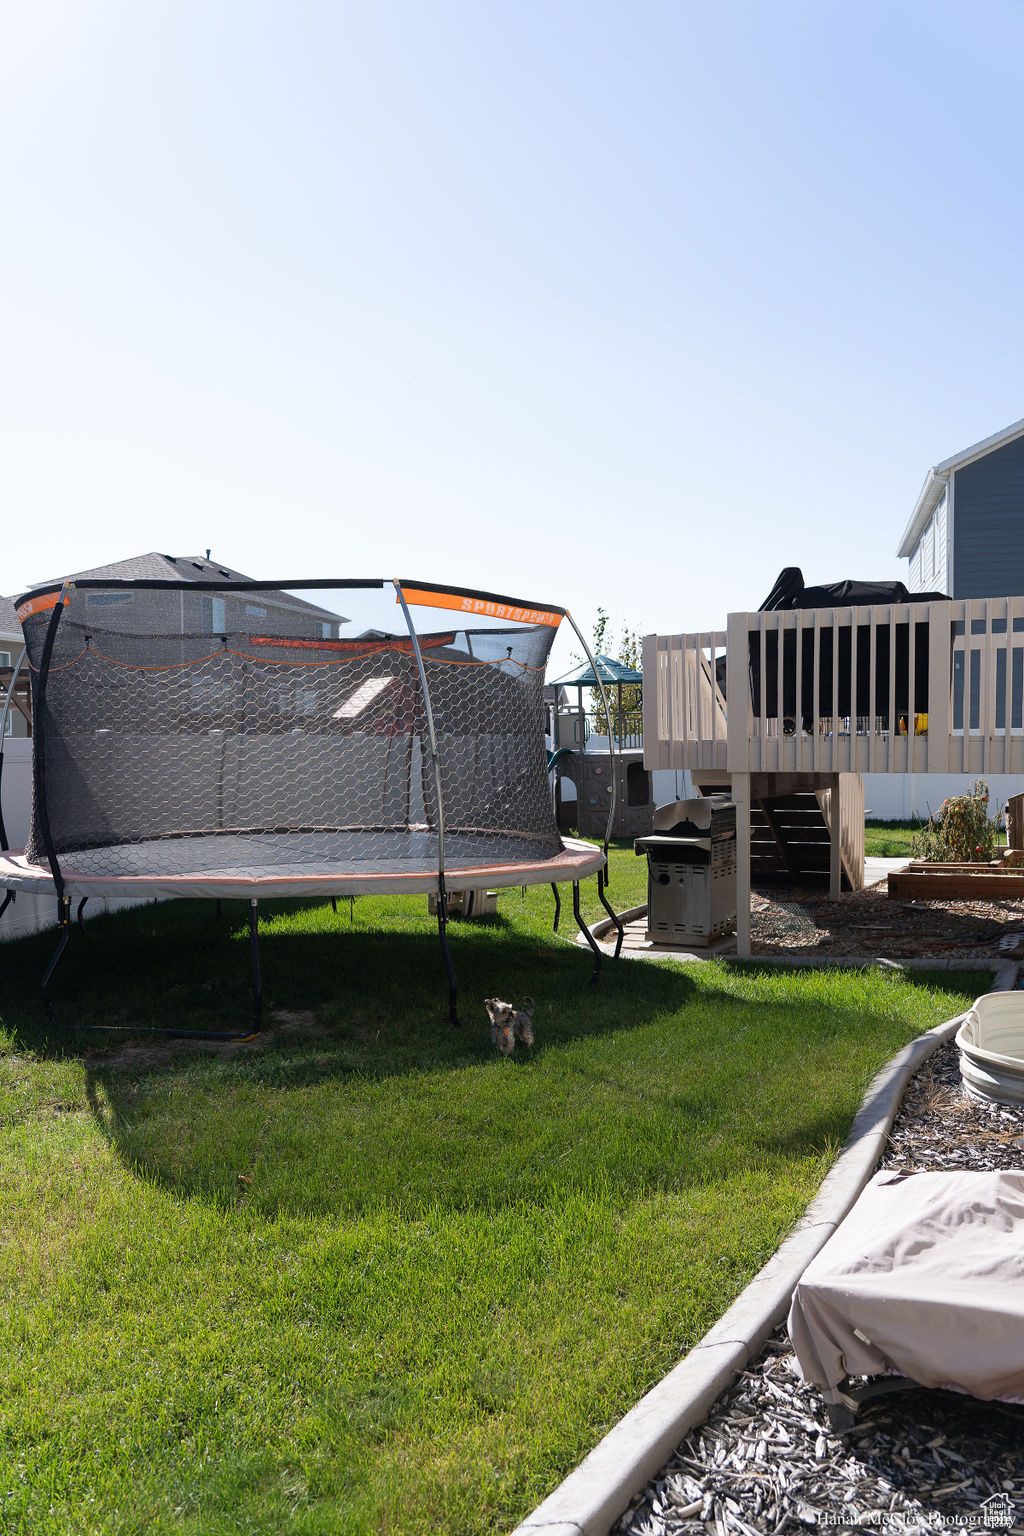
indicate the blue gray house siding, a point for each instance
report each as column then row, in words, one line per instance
column 988, row 525
column 984, row 557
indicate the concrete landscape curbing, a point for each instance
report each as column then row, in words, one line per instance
column 601, row 930
column 593, row 1496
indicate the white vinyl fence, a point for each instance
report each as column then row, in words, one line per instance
column 29, row 914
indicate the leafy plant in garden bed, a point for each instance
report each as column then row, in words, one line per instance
column 962, row 832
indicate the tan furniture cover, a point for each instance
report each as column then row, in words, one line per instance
column 925, row 1277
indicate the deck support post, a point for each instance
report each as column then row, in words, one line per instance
column 835, row 848
column 741, row 799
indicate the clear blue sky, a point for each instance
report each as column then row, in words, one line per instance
column 626, row 305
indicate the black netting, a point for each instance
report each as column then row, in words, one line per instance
column 231, row 733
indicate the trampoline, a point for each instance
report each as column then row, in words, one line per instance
column 233, row 739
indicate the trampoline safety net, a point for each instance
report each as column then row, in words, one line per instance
column 192, row 732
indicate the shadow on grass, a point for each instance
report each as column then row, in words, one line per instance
column 361, row 1095
column 379, row 991
column 360, row 1092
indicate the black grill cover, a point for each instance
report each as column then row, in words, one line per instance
column 789, row 593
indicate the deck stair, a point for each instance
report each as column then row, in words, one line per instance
column 790, row 832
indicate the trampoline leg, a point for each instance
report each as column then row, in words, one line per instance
column 620, row 933
column 64, row 919
column 334, row 903
column 558, row 906
column 442, row 924
column 581, row 925
column 6, row 902
column 81, row 909
column 257, row 975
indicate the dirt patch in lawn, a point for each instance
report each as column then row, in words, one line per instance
column 156, row 1053
column 867, row 924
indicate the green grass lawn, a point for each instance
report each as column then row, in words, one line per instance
column 364, row 1276
column 890, row 839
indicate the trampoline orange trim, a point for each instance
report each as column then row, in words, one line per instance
column 480, row 606
column 42, row 604
column 350, row 647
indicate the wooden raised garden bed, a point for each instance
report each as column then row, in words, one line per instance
column 1001, row 880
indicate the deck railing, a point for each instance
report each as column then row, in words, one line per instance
column 894, row 688
column 580, row 727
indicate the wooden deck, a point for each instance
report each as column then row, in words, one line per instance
column 810, row 700
column 893, row 688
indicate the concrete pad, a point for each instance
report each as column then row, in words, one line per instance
column 880, row 869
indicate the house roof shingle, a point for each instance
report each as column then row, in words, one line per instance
column 9, row 625
column 157, row 567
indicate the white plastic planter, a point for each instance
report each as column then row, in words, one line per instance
column 991, row 1041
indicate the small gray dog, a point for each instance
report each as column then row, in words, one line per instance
column 509, row 1024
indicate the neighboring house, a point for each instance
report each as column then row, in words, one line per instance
column 10, row 650
column 965, row 536
column 211, row 612
column 278, row 613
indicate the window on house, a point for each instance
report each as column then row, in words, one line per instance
column 210, row 695
column 1016, row 696
column 363, row 696
column 5, row 661
column 109, row 599
column 213, row 615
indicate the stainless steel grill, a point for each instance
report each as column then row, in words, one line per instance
column 691, row 871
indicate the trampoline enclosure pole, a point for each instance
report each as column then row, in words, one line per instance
column 442, row 897
column 39, row 795
column 611, row 739
column 39, row 757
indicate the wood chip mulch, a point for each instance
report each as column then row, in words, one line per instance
column 866, row 924
column 766, row 1459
